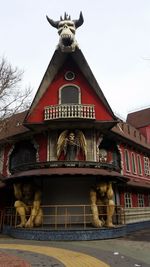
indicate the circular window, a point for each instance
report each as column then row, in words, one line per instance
column 69, row 76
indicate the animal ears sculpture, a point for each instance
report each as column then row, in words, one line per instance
column 77, row 23
column 66, row 29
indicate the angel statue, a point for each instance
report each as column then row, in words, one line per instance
column 71, row 144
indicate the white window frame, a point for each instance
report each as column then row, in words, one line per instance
column 141, row 202
column 139, row 165
column 128, row 200
column 146, row 166
column 133, row 161
column 127, row 160
column 67, row 85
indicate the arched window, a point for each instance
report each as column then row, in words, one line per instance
column 133, row 162
column 139, row 164
column 24, row 152
column 69, row 94
column 127, row 164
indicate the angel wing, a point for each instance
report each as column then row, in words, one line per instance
column 82, row 142
column 61, row 142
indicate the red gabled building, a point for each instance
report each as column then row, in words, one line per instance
column 69, row 100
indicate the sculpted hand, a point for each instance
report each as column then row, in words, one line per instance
column 29, row 224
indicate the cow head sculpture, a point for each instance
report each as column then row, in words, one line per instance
column 66, row 29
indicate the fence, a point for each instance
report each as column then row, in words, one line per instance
column 64, row 216
column 137, row 214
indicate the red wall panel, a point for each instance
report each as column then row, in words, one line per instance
column 41, row 140
column 134, row 200
column 122, row 199
column 51, row 96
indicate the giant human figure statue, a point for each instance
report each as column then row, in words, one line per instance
column 28, row 204
column 102, row 204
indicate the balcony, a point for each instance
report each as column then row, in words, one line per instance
column 64, row 165
column 69, row 111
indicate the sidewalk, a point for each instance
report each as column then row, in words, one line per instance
column 133, row 250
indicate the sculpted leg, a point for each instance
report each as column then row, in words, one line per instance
column 21, row 210
column 39, row 218
column 110, row 212
column 35, row 218
column 95, row 213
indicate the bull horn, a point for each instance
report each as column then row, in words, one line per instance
column 52, row 22
column 80, row 21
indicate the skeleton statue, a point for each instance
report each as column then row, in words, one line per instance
column 66, row 29
column 71, row 144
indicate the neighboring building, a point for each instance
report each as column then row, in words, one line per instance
column 141, row 121
column 69, row 100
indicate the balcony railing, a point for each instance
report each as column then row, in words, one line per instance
column 63, row 164
column 69, row 111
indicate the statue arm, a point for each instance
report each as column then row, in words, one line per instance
column 110, row 192
column 37, row 200
column 17, row 191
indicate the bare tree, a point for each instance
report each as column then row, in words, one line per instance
column 13, row 99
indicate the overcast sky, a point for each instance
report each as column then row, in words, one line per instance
column 115, row 40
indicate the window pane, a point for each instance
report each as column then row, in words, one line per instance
column 133, row 163
column 127, row 160
column 140, row 200
column 128, row 200
column 146, row 166
column 69, row 95
column 139, row 164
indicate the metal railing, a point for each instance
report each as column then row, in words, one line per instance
column 64, row 216
column 69, row 111
column 75, row 216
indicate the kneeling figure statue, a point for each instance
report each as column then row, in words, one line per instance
column 102, row 205
column 28, row 204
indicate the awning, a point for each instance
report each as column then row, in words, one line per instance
column 67, row 171
column 139, row 183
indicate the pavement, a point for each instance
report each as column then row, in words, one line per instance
column 130, row 251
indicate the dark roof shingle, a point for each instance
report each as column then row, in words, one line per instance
column 13, row 126
column 139, row 118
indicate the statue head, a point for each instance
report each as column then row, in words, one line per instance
column 102, row 155
column 102, row 188
column 27, row 191
column 71, row 136
column 66, row 29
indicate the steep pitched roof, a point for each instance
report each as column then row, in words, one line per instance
column 13, row 126
column 139, row 118
column 56, row 63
